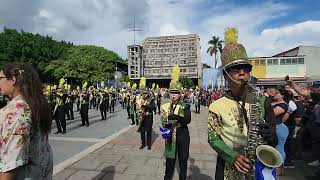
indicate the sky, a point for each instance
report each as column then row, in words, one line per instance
column 266, row 27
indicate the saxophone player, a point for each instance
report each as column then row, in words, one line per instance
column 176, row 115
column 146, row 119
column 229, row 116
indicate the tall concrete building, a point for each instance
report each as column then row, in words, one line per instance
column 158, row 56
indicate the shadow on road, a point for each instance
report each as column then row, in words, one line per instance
column 106, row 174
column 154, row 136
column 195, row 173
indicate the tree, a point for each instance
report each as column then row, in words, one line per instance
column 216, row 46
column 204, row 65
column 186, row 82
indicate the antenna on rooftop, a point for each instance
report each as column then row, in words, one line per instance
column 134, row 30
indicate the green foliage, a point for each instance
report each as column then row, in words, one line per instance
column 124, row 78
column 186, row 82
column 55, row 60
column 204, row 65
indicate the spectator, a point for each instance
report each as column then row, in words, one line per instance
column 25, row 123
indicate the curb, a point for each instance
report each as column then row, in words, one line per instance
column 68, row 162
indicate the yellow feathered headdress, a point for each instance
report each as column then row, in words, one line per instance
column 48, row 88
column 233, row 53
column 102, row 84
column 84, row 85
column 128, row 85
column 143, row 82
column 175, row 73
column 134, row 87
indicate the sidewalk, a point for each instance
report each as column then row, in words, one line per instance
column 121, row 159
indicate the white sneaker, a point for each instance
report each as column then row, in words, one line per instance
column 314, row 163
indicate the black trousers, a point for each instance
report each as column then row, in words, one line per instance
column 197, row 105
column 69, row 111
column 182, row 145
column 159, row 106
column 132, row 119
column 112, row 107
column 84, row 114
column 128, row 111
column 143, row 138
column 103, row 114
column 288, row 145
column 60, row 119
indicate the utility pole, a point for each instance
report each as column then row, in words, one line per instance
column 134, row 30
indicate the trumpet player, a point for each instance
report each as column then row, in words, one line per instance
column 230, row 116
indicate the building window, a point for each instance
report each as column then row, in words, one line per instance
column 288, row 61
column 294, row 61
column 157, row 63
column 300, row 60
column 282, row 61
column 183, row 70
column 182, row 61
column 156, row 71
column 152, row 50
column 260, row 62
column 192, row 70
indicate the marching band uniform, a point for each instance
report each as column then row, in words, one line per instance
column 176, row 117
column 197, row 100
column 146, row 120
column 229, row 117
column 103, row 105
column 84, row 108
column 69, row 106
column 59, row 113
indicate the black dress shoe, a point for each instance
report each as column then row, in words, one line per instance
column 128, row 117
column 142, row 146
column 87, row 125
column 63, row 132
column 57, row 132
column 132, row 123
column 82, row 125
column 149, row 147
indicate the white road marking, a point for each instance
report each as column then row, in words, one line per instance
column 75, row 139
column 68, row 162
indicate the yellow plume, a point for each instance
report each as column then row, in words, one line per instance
column 128, row 85
column 231, row 35
column 54, row 87
column 65, row 86
column 142, row 83
column 69, row 87
column 48, row 88
column 157, row 87
column 102, row 84
column 61, row 82
column 134, row 86
column 175, row 73
column 84, row 85
column 78, row 88
column 153, row 86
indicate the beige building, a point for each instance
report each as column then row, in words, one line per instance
column 159, row 54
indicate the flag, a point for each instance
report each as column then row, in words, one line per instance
column 263, row 172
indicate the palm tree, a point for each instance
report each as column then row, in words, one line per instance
column 215, row 48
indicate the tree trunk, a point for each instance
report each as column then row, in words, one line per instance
column 215, row 60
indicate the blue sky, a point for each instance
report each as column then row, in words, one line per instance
column 265, row 27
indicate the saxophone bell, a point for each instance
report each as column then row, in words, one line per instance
column 269, row 156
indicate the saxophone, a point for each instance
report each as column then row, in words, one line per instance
column 256, row 148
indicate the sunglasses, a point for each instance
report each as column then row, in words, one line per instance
column 174, row 92
column 237, row 69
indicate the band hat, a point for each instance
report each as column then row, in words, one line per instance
column 233, row 53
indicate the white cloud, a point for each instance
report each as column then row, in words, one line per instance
column 107, row 22
column 170, row 29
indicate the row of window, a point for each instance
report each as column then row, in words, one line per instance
column 169, row 62
column 168, row 50
column 168, row 45
column 164, row 41
column 190, row 54
column 165, row 70
column 287, row 61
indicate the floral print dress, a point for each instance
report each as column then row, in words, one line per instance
column 22, row 147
